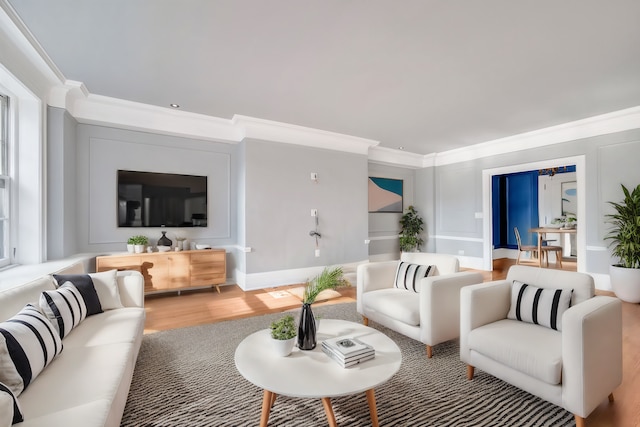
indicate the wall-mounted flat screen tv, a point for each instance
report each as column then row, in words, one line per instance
column 150, row 199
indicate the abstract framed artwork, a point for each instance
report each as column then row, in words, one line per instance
column 385, row 195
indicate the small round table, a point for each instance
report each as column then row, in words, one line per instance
column 312, row 374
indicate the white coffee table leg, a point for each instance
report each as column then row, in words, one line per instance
column 373, row 410
column 328, row 409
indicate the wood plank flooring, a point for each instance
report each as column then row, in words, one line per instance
column 169, row 311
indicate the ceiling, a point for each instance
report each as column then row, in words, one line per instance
column 426, row 75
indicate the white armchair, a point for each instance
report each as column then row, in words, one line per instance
column 431, row 313
column 575, row 367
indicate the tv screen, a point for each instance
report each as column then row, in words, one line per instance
column 150, row 199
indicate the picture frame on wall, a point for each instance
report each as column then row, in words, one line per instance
column 385, row 195
column 569, row 198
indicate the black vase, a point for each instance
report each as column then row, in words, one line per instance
column 306, row 329
column 164, row 240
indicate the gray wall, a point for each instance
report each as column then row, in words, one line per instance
column 279, row 196
column 260, row 196
column 101, row 151
column 385, row 227
column 61, row 184
column 425, row 203
column 609, row 161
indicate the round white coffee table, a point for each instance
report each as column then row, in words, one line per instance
column 312, row 374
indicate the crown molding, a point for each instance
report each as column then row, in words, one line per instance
column 102, row 110
column 616, row 121
column 394, row 157
column 293, row 134
column 23, row 56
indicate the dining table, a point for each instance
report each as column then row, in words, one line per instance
column 542, row 233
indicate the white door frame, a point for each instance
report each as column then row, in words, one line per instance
column 487, row 224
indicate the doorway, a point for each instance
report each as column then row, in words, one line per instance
column 487, row 204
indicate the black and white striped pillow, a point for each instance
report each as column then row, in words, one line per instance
column 64, row 307
column 10, row 411
column 540, row 306
column 408, row 275
column 84, row 284
column 28, row 343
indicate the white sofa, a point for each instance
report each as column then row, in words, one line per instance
column 575, row 367
column 87, row 384
column 430, row 315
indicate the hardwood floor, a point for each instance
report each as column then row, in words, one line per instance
column 170, row 311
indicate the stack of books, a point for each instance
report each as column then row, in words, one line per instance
column 348, row 351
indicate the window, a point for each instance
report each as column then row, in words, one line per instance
column 4, row 181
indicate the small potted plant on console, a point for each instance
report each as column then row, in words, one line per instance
column 139, row 242
column 283, row 332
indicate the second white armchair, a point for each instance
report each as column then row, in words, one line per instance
column 545, row 332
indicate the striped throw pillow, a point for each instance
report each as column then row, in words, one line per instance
column 28, row 343
column 64, row 307
column 408, row 275
column 540, row 306
column 85, row 286
column 10, row 411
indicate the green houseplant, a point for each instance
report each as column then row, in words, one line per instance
column 624, row 238
column 283, row 332
column 411, row 225
column 283, row 328
column 138, row 242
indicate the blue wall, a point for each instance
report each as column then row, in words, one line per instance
column 515, row 204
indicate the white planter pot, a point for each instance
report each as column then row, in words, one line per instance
column 130, row 248
column 283, row 348
column 625, row 283
column 138, row 249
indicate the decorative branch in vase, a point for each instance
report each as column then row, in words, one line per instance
column 330, row 278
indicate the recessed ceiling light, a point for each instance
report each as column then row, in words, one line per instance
column 401, row 148
column 174, row 106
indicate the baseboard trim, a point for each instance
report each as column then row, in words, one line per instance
column 270, row 279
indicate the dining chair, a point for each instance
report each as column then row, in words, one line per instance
column 524, row 248
column 545, row 249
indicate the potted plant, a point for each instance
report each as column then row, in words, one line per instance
column 138, row 242
column 570, row 222
column 411, row 225
column 329, row 278
column 130, row 244
column 624, row 237
column 283, row 332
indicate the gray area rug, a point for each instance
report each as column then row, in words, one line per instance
column 187, row 377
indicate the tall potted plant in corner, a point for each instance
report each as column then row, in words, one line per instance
column 411, row 225
column 624, row 237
